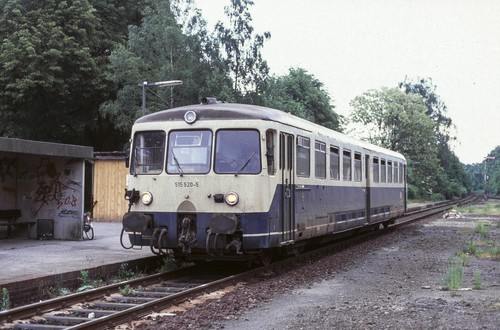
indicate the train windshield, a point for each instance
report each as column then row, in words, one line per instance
column 189, row 152
column 148, row 153
column 237, row 151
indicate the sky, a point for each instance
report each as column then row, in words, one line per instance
column 352, row 46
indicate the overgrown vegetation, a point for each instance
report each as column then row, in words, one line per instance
column 5, row 299
column 481, row 245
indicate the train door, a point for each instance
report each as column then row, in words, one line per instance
column 368, row 178
column 287, row 187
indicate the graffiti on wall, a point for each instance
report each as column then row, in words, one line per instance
column 54, row 189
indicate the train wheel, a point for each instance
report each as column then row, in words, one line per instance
column 266, row 257
column 385, row 224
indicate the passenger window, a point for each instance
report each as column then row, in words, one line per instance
column 303, row 157
column 389, row 171
column 401, row 173
column 271, row 167
column 376, row 170
column 357, row 167
column 346, row 162
column 334, row 163
column 320, row 159
column 396, row 177
column 383, row 171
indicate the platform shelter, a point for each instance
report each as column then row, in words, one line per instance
column 42, row 189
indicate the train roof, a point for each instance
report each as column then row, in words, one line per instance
column 236, row 111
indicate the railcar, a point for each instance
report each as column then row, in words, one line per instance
column 223, row 181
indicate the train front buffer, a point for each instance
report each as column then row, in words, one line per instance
column 187, row 233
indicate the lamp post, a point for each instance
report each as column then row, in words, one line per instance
column 486, row 178
column 168, row 83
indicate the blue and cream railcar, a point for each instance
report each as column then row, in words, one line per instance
column 233, row 181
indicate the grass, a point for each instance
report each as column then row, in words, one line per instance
column 482, row 245
column 454, row 277
column 489, row 208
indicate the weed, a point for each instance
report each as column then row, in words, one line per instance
column 470, row 248
column 494, row 252
column 124, row 273
column 84, row 277
column 127, row 290
column 168, row 264
column 483, row 229
column 5, row 299
column 476, row 282
column 453, row 278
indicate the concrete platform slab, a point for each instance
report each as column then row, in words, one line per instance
column 24, row 259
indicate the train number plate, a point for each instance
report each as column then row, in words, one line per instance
column 187, row 184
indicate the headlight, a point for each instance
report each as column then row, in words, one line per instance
column 147, row 198
column 231, row 198
column 190, row 117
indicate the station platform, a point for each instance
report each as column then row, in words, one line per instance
column 23, row 259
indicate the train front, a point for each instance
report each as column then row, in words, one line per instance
column 191, row 187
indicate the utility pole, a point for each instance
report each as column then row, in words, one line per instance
column 486, row 176
column 169, row 83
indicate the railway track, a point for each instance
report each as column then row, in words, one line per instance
column 122, row 302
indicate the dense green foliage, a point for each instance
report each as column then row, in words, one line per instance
column 490, row 169
column 406, row 121
column 70, row 72
column 302, row 95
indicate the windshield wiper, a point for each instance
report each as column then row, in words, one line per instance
column 245, row 165
column 177, row 163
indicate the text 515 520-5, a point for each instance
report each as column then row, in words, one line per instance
column 186, row 184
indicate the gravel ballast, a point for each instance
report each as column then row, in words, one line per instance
column 392, row 282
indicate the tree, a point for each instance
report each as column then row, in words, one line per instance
column 157, row 50
column 398, row 121
column 53, row 62
column 302, row 95
column 453, row 181
column 241, row 48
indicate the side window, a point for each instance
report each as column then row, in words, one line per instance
column 320, row 159
column 396, row 176
column 303, row 156
column 357, row 167
column 389, row 171
column 347, row 164
column 334, row 163
column 383, row 171
column 271, row 166
column 376, row 170
column 401, row 173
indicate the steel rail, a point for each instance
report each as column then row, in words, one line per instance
column 135, row 312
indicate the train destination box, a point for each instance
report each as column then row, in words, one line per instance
column 42, row 189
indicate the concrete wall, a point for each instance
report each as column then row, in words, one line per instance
column 46, row 182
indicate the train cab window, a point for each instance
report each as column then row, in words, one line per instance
column 401, row 173
column 376, row 170
column 357, row 167
column 237, row 152
column 347, row 165
column 148, row 153
column 303, row 156
column 334, row 163
column 320, row 159
column 389, row 171
column 383, row 171
column 271, row 167
column 189, row 152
